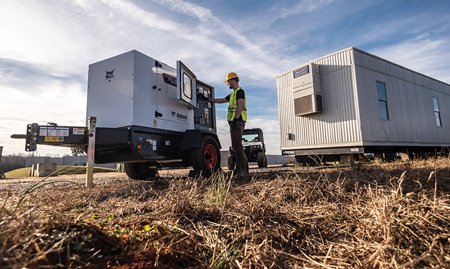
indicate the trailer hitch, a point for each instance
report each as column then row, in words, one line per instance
column 31, row 137
column 66, row 136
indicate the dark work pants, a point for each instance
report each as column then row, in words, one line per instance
column 236, row 143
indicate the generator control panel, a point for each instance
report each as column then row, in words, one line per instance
column 204, row 114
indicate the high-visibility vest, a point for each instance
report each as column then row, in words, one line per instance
column 232, row 106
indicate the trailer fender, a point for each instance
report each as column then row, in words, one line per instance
column 192, row 138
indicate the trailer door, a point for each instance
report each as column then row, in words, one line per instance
column 186, row 86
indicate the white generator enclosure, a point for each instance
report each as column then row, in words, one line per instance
column 353, row 102
column 143, row 113
column 134, row 89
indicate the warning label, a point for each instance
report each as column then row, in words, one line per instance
column 54, row 139
column 43, row 131
column 57, row 131
column 78, row 131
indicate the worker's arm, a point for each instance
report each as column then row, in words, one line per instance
column 240, row 107
column 218, row 100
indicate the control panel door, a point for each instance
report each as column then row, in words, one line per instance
column 186, row 86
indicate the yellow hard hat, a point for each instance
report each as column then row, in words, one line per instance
column 230, row 76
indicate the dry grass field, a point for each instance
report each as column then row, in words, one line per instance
column 378, row 215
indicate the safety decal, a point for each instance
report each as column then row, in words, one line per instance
column 57, row 131
column 54, row 139
column 42, row 131
column 78, row 131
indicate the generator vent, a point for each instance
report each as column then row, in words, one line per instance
column 307, row 90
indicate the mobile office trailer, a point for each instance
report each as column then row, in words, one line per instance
column 352, row 102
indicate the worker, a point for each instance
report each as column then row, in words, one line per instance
column 237, row 116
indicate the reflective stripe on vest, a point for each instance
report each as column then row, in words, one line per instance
column 232, row 106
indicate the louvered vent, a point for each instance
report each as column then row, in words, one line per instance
column 303, row 105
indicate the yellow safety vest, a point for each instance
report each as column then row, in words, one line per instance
column 232, row 106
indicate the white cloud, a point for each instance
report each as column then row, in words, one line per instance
column 301, row 7
column 46, row 104
column 426, row 56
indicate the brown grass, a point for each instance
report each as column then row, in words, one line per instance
column 382, row 215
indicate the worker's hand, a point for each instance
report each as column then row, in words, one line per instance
column 234, row 124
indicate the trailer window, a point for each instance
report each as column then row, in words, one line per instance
column 187, row 86
column 382, row 100
column 437, row 113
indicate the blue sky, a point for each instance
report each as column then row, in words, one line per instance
column 46, row 47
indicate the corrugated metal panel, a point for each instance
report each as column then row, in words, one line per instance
column 339, row 124
column 410, row 104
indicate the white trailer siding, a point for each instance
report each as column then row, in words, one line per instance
column 409, row 100
column 351, row 116
column 339, row 124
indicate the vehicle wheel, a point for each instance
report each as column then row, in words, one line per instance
column 140, row 171
column 230, row 162
column 262, row 159
column 207, row 156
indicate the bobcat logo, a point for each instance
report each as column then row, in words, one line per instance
column 109, row 75
column 174, row 113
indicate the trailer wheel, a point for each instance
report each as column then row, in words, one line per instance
column 262, row 159
column 140, row 171
column 207, row 156
column 230, row 162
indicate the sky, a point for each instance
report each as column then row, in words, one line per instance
column 47, row 45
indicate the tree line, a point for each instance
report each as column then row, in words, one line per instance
column 12, row 162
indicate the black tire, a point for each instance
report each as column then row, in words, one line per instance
column 207, row 156
column 262, row 159
column 230, row 162
column 140, row 171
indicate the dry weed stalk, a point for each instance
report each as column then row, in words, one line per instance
column 382, row 215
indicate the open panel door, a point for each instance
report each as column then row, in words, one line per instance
column 186, row 85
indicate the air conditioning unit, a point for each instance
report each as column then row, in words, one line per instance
column 307, row 90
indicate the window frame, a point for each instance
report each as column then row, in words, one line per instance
column 437, row 112
column 381, row 100
column 187, row 84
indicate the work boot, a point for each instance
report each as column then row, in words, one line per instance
column 241, row 175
